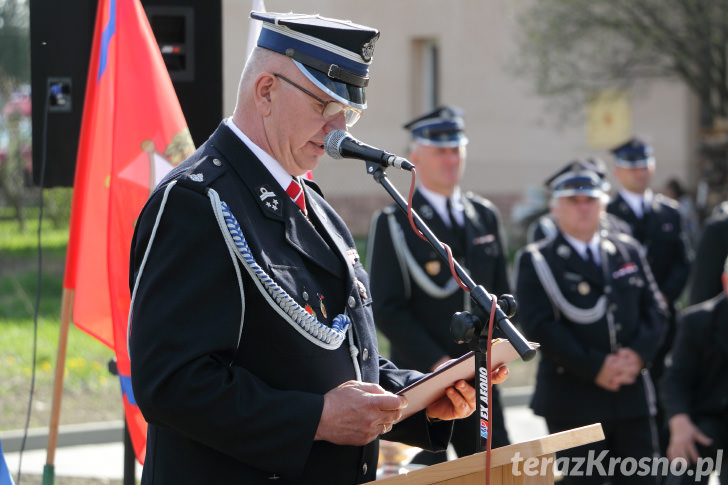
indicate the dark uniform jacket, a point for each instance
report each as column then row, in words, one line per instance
column 415, row 295
column 232, row 390
column 414, row 308
column 710, row 256
column 577, row 331
column 660, row 231
column 697, row 381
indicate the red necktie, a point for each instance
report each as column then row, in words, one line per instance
column 295, row 192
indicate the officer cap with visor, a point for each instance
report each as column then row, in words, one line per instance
column 443, row 127
column 634, row 153
column 333, row 54
column 580, row 177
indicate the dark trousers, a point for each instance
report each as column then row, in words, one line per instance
column 466, row 435
column 633, row 439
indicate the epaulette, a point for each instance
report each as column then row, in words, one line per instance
column 665, row 200
column 473, row 197
column 199, row 175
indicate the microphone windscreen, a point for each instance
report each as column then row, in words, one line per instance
column 333, row 142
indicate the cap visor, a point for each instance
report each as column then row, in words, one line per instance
column 347, row 94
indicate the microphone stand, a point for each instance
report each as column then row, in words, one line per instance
column 465, row 327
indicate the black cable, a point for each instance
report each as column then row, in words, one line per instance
column 37, row 291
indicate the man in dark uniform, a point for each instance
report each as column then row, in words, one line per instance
column 414, row 293
column 657, row 224
column 252, row 342
column 588, row 297
column 695, row 387
column 712, row 247
column 545, row 226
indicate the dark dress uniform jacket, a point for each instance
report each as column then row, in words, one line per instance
column 232, row 391
column 572, row 353
column 660, row 231
column 415, row 295
column 416, row 321
column 697, row 381
column 710, row 256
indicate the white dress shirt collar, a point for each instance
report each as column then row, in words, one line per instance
column 276, row 169
column 439, row 203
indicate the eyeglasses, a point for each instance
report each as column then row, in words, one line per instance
column 329, row 108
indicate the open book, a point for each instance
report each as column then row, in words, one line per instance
column 431, row 387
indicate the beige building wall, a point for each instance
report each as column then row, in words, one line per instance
column 515, row 143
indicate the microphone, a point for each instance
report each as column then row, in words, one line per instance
column 340, row 144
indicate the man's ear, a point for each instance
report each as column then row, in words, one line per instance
column 724, row 278
column 264, row 87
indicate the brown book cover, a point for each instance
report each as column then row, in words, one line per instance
column 431, row 387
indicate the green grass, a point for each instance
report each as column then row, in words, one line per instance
column 87, row 383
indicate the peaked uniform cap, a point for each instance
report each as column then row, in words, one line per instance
column 334, row 54
column 634, row 153
column 444, row 126
column 579, row 177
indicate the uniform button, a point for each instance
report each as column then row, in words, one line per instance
column 364, row 469
column 618, row 326
column 216, row 162
column 559, row 370
column 351, row 302
column 365, row 354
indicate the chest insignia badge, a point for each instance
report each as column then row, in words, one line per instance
column 432, row 267
column 270, row 200
column 321, row 305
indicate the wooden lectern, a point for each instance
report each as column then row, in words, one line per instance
column 470, row 470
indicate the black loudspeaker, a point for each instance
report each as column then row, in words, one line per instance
column 189, row 34
column 60, row 46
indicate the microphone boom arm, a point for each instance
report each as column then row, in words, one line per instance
column 478, row 294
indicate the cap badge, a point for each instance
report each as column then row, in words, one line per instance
column 583, row 288
column 432, row 267
column 367, row 50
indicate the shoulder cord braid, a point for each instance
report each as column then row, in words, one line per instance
column 144, row 263
column 582, row 316
column 415, row 270
column 315, row 331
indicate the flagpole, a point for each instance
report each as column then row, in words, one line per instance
column 66, row 306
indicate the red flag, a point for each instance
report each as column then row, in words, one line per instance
column 133, row 132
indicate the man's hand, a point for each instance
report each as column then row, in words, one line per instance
column 683, row 436
column 459, row 400
column 355, row 413
column 609, row 376
column 631, row 365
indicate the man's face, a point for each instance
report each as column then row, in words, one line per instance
column 578, row 215
column 295, row 128
column 439, row 168
column 635, row 180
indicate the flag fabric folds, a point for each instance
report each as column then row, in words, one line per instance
column 132, row 133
